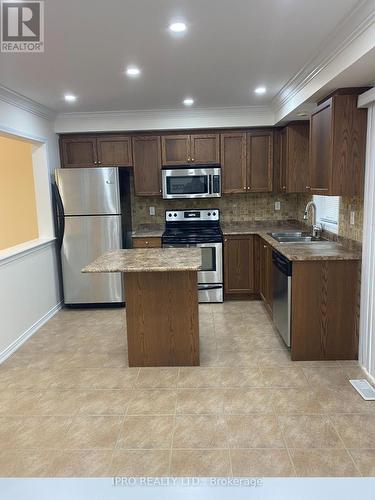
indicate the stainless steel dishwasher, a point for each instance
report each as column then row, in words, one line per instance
column 282, row 295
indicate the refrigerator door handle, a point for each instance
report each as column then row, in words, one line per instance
column 60, row 216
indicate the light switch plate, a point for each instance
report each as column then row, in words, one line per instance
column 152, row 210
column 277, row 205
column 352, row 217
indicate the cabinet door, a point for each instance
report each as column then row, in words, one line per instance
column 114, row 151
column 263, row 269
column 283, row 160
column 147, row 165
column 175, row 149
column 78, row 152
column 297, row 163
column 320, row 150
column 204, row 148
column 269, row 287
column 259, row 161
column 239, row 264
column 233, row 162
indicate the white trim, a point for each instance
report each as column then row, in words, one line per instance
column 367, row 317
column 354, row 25
column 366, row 99
column 15, row 99
column 164, row 119
column 29, row 332
column 19, row 251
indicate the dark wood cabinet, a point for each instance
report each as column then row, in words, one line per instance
column 247, row 161
column 114, row 151
column 233, row 162
column 294, row 158
column 337, row 147
column 147, row 165
column 205, row 148
column 259, row 161
column 95, row 151
column 78, row 151
column 239, row 277
column 325, row 311
column 143, row 242
column 175, row 149
column 195, row 148
column 266, row 274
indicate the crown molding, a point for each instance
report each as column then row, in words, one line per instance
column 15, row 99
column 350, row 29
column 164, row 119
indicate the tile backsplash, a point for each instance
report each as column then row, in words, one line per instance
column 234, row 207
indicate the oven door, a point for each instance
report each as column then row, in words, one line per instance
column 212, row 263
column 189, row 183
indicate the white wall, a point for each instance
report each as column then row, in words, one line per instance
column 29, row 282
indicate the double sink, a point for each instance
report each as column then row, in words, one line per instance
column 295, row 237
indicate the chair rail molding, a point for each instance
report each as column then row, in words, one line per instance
column 367, row 317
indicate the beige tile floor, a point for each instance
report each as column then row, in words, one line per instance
column 70, row 406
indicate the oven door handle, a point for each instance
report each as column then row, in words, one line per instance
column 209, row 287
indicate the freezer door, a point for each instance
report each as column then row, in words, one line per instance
column 85, row 239
column 89, row 191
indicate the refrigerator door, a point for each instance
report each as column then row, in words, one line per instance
column 89, row 191
column 85, row 239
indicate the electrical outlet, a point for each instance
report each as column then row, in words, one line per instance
column 151, row 210
column 352, row 218
column 277, row 205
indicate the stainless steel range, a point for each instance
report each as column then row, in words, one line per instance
column 199, row 228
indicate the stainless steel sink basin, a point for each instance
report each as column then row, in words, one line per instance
column 294, row 237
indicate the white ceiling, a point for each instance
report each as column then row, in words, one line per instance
column 231, row 47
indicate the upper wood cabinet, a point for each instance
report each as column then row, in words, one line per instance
column 337, row 147
column 239, row 278
column 78, row 151
column 233, row 162
column 94, row 151
column 114, row 151
column 247, row 161
column 147, row 165
column 196, row 148
column 294, row 158
column 259, row 161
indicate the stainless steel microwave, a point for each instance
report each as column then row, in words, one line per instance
column 202, row 181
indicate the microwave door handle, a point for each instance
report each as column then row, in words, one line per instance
column 211, row 184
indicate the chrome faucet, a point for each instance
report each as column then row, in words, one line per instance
column 316, row 228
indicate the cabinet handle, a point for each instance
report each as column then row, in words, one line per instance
column 99, row 162
column 244, row 188
column 95, row 162
column 307, row 187
column 146, row 242
column 226, row 239
column 284, row 187
column 192, row 159
column 188, row 158
column 264, row 246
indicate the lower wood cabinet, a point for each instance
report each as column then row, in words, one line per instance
column 325, row 310
column 265, row 273
column 239, row 276
column 142, row 242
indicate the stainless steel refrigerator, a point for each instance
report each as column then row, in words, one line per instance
column 89, row 224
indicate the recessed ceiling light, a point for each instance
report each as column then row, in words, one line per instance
column 260, row 90
column 188, row 101
column 177, row 27
column 133, row 71
column 70, row 97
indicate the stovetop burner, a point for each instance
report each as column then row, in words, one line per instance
column 192, row 226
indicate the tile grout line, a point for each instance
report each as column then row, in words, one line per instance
column 174, row 424
column 329, row 417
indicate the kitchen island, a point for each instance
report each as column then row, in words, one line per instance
column 161, row 295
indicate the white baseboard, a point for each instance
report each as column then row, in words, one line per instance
column 29, row 332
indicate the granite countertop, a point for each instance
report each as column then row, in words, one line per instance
column 139, row 260
column 148, row 231
column 325, row 250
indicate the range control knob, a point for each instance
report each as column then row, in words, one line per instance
column 169, row 215
column 209, row 214
column 175, row 215
column 214, row 213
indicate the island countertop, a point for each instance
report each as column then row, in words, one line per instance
column 140, row 260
